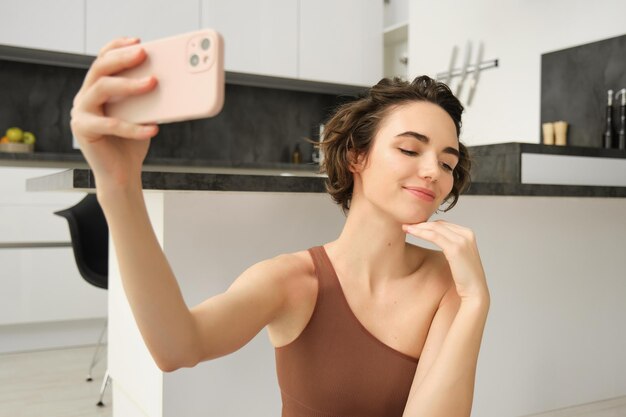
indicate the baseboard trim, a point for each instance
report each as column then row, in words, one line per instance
column 603, row 408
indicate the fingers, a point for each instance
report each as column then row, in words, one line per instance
column 438, row 234
column 117, row 43
column 451, row 238
column 116, row 56
column 108, row 87
column 468, row 233
column 91, row 124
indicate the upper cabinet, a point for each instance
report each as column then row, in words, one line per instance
column 341, row 41
column 334, row 41
column 145, row 19
column 396, row 38
column 319, row 40
column 260, row 36
column 41, row 24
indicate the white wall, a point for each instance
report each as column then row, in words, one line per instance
column 556, row 269
column 506, row 106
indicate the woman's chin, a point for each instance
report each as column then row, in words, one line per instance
column 414, row 219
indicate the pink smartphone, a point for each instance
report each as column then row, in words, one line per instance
column 189, row 69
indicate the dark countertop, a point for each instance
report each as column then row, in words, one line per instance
column 82, row 179
column 522, row 147
column 76, row 160
column 495, row 173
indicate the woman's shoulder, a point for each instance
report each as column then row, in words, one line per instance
column 291, row 271
column 290, row 264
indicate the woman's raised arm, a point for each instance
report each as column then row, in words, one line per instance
column 115, row 150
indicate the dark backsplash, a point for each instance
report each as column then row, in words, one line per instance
column 256, row 124
column 574, row 83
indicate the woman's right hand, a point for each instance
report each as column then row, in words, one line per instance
column 114, row 148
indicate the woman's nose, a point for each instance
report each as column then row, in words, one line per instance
column 429, row 168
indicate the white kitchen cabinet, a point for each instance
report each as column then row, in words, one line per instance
column 39, row 284
column 260, row 36
column 145, row 19
column 29, row 216
column 42, row 24
column 341, row 41
column 396, row 38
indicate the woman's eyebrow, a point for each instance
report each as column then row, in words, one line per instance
column 425, row 139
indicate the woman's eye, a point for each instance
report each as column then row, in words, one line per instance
column 407, row 152
column 446, row 166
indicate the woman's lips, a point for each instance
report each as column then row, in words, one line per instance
column 422, row 193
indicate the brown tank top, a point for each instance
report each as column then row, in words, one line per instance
column 336, row 367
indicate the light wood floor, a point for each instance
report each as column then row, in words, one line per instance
column 52, row 384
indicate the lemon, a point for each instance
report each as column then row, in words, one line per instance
column 28, row 138
column 14, row 134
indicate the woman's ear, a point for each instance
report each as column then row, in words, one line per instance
column 355, row 161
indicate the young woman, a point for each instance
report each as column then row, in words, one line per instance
column 366, row 325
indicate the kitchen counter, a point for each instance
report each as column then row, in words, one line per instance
column 282, row 181
column 497, row 169
column 211, row 180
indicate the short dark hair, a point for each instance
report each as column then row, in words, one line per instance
column 353, row 126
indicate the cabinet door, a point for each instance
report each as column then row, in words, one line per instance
column 42, row 285
column 260, row 36
column 146, row 19
column 42, row 24
column 28, row 216
column 341, row 41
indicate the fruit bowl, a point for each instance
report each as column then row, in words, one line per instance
column 17, row 147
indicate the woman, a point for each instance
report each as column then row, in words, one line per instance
column 366, row 325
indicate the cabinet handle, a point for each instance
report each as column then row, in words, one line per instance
column 24, row 245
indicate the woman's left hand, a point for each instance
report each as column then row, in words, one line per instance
column 459, row 247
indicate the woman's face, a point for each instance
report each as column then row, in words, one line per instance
column 408, row 172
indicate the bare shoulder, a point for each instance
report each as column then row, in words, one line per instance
column 292, row 273
column 288, row 265
column 298, row 274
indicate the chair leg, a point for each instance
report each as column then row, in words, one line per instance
column 94, row 360
column 103, row 388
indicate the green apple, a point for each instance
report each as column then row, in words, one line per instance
column 28, row 138
column 14, row 134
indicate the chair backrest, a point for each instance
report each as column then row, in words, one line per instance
column 90, row 240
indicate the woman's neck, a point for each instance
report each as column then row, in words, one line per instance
column 373, row 248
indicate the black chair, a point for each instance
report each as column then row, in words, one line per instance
column 90, row 243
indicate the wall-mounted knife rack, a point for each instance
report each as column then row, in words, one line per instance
column 492, row 63
column 466, row 70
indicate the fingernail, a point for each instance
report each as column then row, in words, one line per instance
column 152, row 130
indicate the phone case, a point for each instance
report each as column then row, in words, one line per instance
column 190, row 73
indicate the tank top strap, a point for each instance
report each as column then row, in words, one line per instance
column 323, row 268
column 318, row 261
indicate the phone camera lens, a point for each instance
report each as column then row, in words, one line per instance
column 206, row 43
column 194, row 60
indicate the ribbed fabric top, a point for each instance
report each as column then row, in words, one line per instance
column 336, row 367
